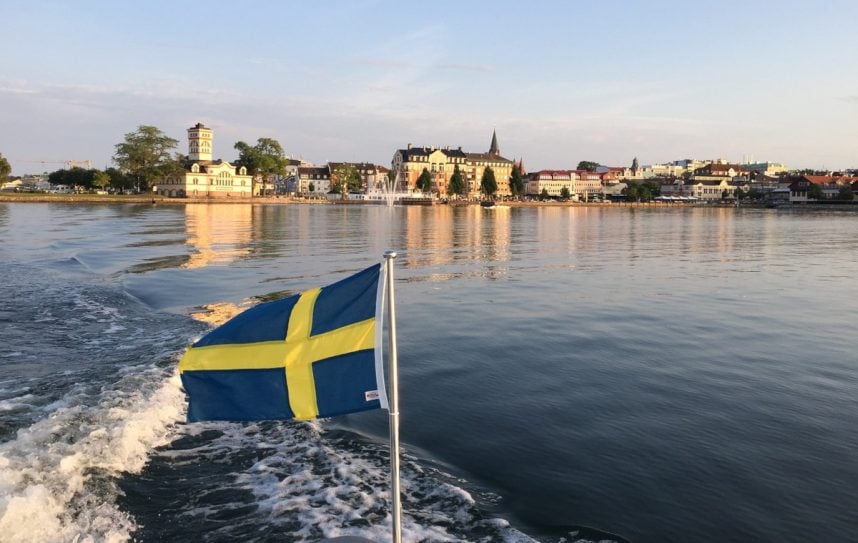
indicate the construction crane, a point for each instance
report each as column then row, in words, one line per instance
column 68, row 164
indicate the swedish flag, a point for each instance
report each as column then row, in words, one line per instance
column 316, row 354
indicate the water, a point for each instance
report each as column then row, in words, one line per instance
column 662, row 375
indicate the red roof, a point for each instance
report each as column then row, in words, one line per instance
column 828, row 180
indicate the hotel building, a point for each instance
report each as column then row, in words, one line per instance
column 409, row 163
column 204, row 177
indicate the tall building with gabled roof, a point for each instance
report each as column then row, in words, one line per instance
column 441, row 162
column 204, row 177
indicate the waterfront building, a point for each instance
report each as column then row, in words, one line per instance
column 581, row 183
column 589, row 184
column 203, row 177
column 671, row 186
column 829, row 185
column 710, row 189
column 551, row 181
column 407, row 165
column 288, row 182
column 372, row 176
column 315, row 180
column 799, row 190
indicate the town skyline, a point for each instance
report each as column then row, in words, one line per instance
column 355, row 81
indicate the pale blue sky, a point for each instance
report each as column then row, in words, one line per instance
column 560, row 81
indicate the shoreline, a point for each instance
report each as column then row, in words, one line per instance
column 276, row 200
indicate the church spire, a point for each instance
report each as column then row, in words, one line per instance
column 494, row 149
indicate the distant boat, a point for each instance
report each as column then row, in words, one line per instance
column 487, row 203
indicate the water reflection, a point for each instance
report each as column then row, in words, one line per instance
column 445, row 235
column 218, row 234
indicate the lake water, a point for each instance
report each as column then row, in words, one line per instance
column 658, row 374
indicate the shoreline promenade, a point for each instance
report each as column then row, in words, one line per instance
column 285, row 200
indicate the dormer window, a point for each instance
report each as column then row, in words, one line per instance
column 195, row 168
column 242, row 171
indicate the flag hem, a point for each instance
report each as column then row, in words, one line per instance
column 379, row 336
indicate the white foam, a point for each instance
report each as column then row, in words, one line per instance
column 45, row 471
column 316, row 487
column 114, row 328
column 16, row 403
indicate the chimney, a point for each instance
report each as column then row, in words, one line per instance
column 409, row 146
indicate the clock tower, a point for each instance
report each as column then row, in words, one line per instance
column 199, row 143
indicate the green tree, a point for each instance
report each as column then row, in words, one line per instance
column 424, row 182
column 638, row 192
column 146, row 155
column 544, row 194
column 5, row 169
column 345, row 178
column 653, row 188
column 263, row 161
column 118, row 179
column 488, row 184
column 457, row 183
column 311, row 187
column 814, row 192
column 100, row 179
column 752, row 194
column 635, row 166
column 588, row 165
column 516, row 181
column 725, row 194
column 846, row 193
column 75, row 177
column 564, row 193
column 631, row 191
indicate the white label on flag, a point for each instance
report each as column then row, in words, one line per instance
column 371, row 395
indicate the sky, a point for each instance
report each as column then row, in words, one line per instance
column 561, row 82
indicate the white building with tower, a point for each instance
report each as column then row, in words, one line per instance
column 204, row 177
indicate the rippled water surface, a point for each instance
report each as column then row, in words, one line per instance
column 660, row 375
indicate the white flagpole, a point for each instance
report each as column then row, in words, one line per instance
column 394, row 403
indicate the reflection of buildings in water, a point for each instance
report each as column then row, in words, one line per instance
column 218, row 233
column 548, row 234
column 467, row 231
column 712, row 232
column 444, row 234
column 428, row 235
column 497, row 233
column 726, row 233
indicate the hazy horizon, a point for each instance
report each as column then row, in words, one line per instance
column 354, row 81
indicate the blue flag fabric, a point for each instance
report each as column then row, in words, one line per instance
column 313, row 355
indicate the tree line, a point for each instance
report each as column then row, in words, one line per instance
column 457, row 186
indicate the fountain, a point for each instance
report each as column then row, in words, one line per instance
column 387, row 193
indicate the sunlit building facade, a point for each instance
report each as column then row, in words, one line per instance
column 441, row 162
column 204, row 177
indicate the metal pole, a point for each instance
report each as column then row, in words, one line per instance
column 394, row 404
